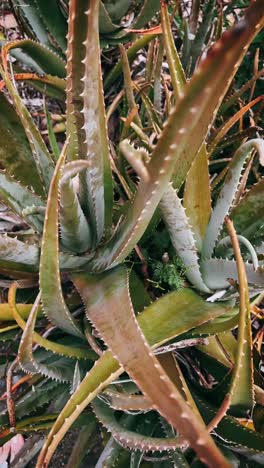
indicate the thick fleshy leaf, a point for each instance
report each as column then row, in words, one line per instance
column 232, row 434
column 89, row 112
column 111, row 295
column 176, row 70
column 197, row 196
column 160, row 322
column 247, row 215
column 74, row 228
column 19, row 198
column 43, row 161
column 182, row 236
column 27, row 361
column 54, row 20
column 36, row 398
column 42, row 59
column 239, row 396
column 18, row 256
column 15, row 152
column 49, row 272
column 105, row 370
column 183, row 135
column 31, row 337
column 227, row 195
column 218, row 271
column 29, row 16
column 131, row 439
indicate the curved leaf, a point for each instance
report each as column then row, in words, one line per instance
column 49, row 273
column 74, row 228
column 110, row 295
column 185, row 130
column 227, row 195
column 182, row 237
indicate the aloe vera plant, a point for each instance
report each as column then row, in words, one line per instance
column 77, row 241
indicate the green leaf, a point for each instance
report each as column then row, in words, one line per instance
column 227, row 195
column 54, row 20
column 42, row 58
column 29, row 336
column 41, row 155
column 34, row 399
column 49, row 273
column 161, row 321
column 27, row 13
column 182, row 135
column 74, row 228
column 62, row 371
column 18, row 256
column 96, row 183
column 109, row 293
column 218, row 271
column 15, row 152
column 18, row 198
column 246, row 215
column 176, row 70
column 182, row 237
column 104, row 371
column 233, row 435
column 197, row 196
column 128, row 438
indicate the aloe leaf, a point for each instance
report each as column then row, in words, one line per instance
column 182, row 237
column 217, row 271
column 176, row 70
column 126, row 402
column 28, row 15
column 228, row 192
column 197, row 196
column 106, row 24
column 74, row 228
column 185, row 130
column 34, row 399
column 52, row 137
column 30, row 336
column 41, row 155
column 89, row 114
column 203, row 29
column 104, row 371
column 44, row 60
column 18, row 256
column 132, row 51
column 49, row 272
column 6, row 314
column 83, row 443
column 160, row 322
column 246, row 215
column 221, row 132
column 148, row 10
column 26, row 358
column 232, row 434
column 15, row 152
column 54, row 20
column 75, row 70
column 18, row 198
column 128, row 438
column 240, row 393
column 111, row 294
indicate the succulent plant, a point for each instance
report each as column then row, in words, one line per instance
column 78, row 241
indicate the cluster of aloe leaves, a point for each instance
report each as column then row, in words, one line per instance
column 85, row 208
